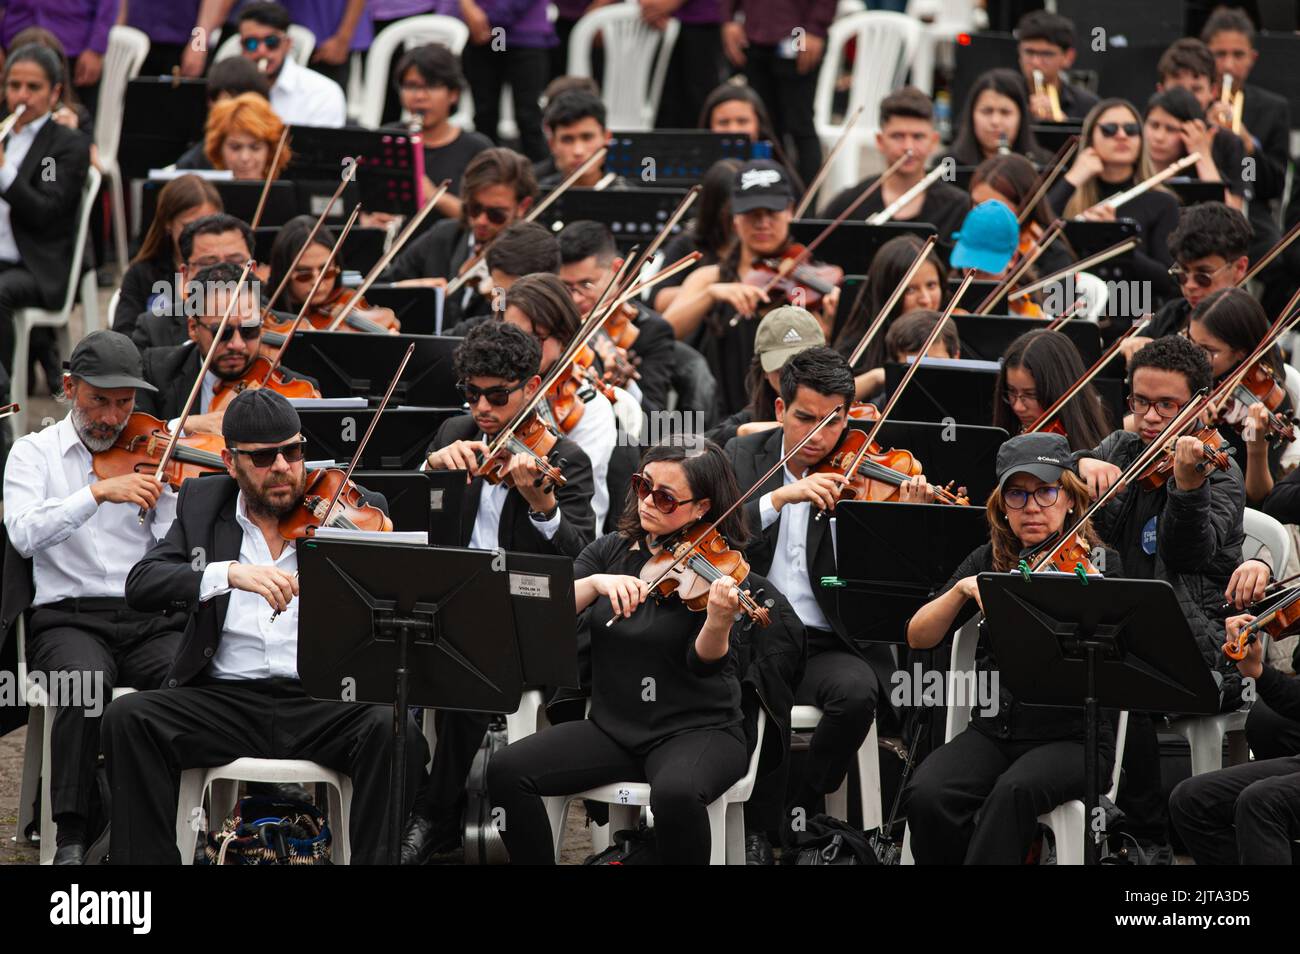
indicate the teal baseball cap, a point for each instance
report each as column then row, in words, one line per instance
column 988, row 237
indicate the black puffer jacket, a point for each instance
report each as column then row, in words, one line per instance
column 1198, row 538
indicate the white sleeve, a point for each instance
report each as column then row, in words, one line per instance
column 35, row 521
column 216, row 580
column 766, row 511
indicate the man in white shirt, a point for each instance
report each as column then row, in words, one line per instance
column 299, row 96
column 233, row 689
column 83, row 534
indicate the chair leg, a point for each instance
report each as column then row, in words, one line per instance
column 873, row 812
column 89, row 304
column 32, row 761
column 18, row 374
column 118, row 200
column 718, row 841
column 557, row 812
column 48, row 831
column 734, row 836
column 338, row 801
column 1205, row 739
column 189, row 814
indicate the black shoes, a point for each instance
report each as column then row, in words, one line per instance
column 72, row 853
column 425, row 838
column 758, row 850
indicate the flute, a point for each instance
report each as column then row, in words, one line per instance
column 883, row 216
column 11, row 120
column 1145, row 185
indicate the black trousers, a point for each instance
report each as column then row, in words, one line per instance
column 976, row 799
column 1141, row 796
column 102, row 648
column 1270, row 735
column 18, row 289
column 846, row 689
column 460, row 734
column 788, row 95
column 1248, row 814
column 150, row 737
column 487, row 71
column 685, row 772
column 694, row 70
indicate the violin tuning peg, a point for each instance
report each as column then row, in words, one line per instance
column 769, row 603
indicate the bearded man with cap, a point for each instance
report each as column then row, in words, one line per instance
column 976, row 799
column 233, row 689
column 762, row 205
column 80, row 535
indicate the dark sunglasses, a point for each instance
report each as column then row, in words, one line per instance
column 253, row 42
column 266, row 456
column 662, row 500
column 495, row 213
column 497, row 396
column 309, row 274
column 1201, row 279
column 1110, row 130
column 247, row 332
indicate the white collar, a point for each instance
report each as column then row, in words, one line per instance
column 68, row 436
column 35, row 126
column 288, row 80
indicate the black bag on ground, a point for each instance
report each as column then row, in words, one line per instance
column 829, row 841
column 629, row 847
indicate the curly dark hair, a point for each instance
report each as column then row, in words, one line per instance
column 1209, row 228
column 494, row 349
column 709, row 475
column 822, row 369
column 1175, row 353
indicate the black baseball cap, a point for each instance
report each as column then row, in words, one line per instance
column 1045, row 456
column 761, row 184
column 108, row 359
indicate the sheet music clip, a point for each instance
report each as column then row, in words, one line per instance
column 176, row 77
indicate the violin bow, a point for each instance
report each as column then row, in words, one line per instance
column 1048, row 178
column 198, row 381
column 1282, row 244
column 1285, row 321
column 306, row 303
column 830, row 416
column 388, row 256
column 818, row 179
column 9, row 410
column 348, row 177
column 1075, row 388
column 899, row 290
column 467, row 269
column 1027, row 260
column 270, row 177
column 1119, row 248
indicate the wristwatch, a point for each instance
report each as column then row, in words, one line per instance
column 543, row 517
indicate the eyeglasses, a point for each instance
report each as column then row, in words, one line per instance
column 584, row 287
column 1166, row 409
column 247, row 332
column 272, row 42
column 662, row 500
column 1111, row 130
column 497, row 396
column 265, row 457
column 1017, row 498
column 497, row 215
column 208, row 261
column 309, row 274
column 1012, row 396
column 1203, row 279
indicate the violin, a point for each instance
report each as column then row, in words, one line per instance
column 140, row 446
column 1162, row 468
column 672, row 571
column 863, row 411
column 1260, row 385
column 1073, row 557
column 532, row 436
column 1278, row 622
column 802, row 283
column 880, row 473
column 261, row 374
column 363, row 317
column 349, row 510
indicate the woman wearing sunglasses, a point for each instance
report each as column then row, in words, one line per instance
column 976, row 799
column 1228, row 325
column 1112, row 159
column 1038, row 368
column 665, row 693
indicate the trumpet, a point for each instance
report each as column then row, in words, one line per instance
column 7, row 126
column 1053, row 96
column 1236, row 99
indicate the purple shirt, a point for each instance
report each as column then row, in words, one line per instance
column 770, row 22
column 80, row 25
column 700, row 12
column 323, row 17
column 384, row 10
column 164, row 21
column 525, row 22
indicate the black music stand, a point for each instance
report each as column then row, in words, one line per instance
column 854, row 244
column 1194, row 191
column 400, row 441
column 962, row 392
column 681, row 156
column 964, row 453
column 634, row 216
column 419, row 309
column 361, row 249
column 161, row 118
column 351, row 365
column 388, row 166
column 987, row 337
column 1122, row 644
column 1052, row 135
column 407, row 493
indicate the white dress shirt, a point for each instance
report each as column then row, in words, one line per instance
column 78, row 548
column 597, row 434
column 16, row 148
column 789, row 572
column 251, row 646
column 303, row 97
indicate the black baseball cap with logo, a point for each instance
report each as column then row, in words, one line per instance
column 761, row 184
column 1045, row 456
column 108, row 359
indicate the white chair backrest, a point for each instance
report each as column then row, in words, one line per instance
column 1094, row 289
column 88, row 194
column 964, row 643
column 955, row 15
column 636, row 62
column 112, row 306
column 1264, row 532
column 304, row 43
column 127, row 49
column 1292, row 384
column 402, row 35
column 892, row 40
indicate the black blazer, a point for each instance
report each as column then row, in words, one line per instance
column 173, row 372
column 43, row 202
column 654, row 352
column 1268, row 117
column 517, row 531
column 439, row 253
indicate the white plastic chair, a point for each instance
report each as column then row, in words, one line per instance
column 636, row 62
column 402, row 35
column 886, row 45
column 25, row 319
column 941, row 21
column 127, row 49
column 113, row 301
column 1096, row 293
column 626, row 799
column 806, row 718
column 1069, row 822
column 1204, row 735
column 222, row 781
column 304, row 44
column 1265, row 533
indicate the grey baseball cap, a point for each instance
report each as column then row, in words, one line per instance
column 784, row 332
column 108, row 359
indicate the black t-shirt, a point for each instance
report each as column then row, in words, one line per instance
column 647, row 682
column 449, row 161
column 677, row 248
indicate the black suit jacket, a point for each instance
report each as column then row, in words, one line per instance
column 1268, row 117
column 173, row 371
column 439, row 253
column 43, row 201
column 654, row 349
column 516, row 530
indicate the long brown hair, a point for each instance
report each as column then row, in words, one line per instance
column 176, row 198
column 1007, row 546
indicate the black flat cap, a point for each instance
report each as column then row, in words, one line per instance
column 260, row 416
